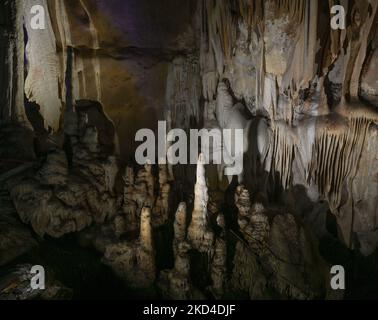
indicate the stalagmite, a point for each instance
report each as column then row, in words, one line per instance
column 176, row 283
column 253, row 222
column 129, row 205
column 199, row 232
column 242, row 201
column 146, row 252
column 179, row 226
column 111, row 170
column 120, row 226
column 134, row 262
column 161, row 208
column 146, row 230
column 219, row 267
column 90, row 139
column 144, row 187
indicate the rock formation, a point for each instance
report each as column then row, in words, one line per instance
column 269, row 243
column 74, row 94
column 176, row 283
column 219, row 268
column 129, row 205
column 253, row 222
column 15, row 238
column 179, row 226
column 59, row 199
column 316, row 132
column 15, row 285
column 134, row 262
column 200, row 235
column 161, row 208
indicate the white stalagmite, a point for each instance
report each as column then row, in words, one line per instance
column 199, row 233
column 146, row 230
column 146, row 251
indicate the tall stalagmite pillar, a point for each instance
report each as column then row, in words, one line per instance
column 199, row 234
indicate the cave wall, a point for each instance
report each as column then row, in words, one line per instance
column 121, row 56
column 313, row 88
column 309, row 84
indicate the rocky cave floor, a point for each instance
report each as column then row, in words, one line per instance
column 76, row 269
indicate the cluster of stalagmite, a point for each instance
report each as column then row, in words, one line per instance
column 252, row 220
column 55, row 201
column 139, row 192
column 275, row 250
column 134, row 261
column 176, row 283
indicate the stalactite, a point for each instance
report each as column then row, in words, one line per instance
column 251, row 11
column 96, row 46
column 366, row 19
column 281, row 155
column 183, row 92
column 294, row 8
column 222, row 25
column 335, row 159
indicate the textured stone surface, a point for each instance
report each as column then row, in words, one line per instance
column 15, row 285
column 134, row 262
column 15, row 238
